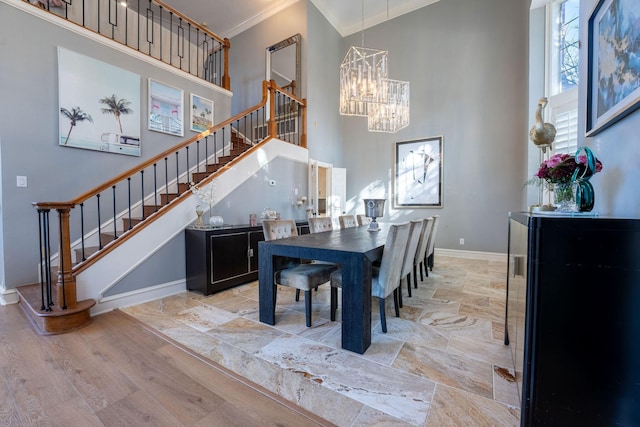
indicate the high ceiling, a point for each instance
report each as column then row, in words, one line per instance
column 229, row 18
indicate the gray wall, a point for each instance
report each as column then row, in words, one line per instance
column 29, row 129
column 616, row 187
column 466, row 62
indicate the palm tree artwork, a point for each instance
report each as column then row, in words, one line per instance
column 74, row 115
column 117, row 107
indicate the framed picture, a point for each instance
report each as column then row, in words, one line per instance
column 201, row 113
column 166, row 108
column 417, row 176
column 613, row 83
column 98, row 105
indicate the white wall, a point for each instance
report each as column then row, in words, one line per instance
column 467, row 64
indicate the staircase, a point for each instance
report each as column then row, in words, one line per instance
column 52, row 305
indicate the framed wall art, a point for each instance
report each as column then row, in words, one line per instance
column 98, row 105
column 201, row 113
column 418, row 166
column 166, row 108
column 613, row 77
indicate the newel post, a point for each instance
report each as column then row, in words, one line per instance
column 303, row 134
column 271, row 123
column 226, row 80
column 66, row 285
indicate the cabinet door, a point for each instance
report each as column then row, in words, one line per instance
column 254, row 238
column 228, row 256
column 516, row 305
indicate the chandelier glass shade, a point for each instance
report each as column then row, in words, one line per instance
column 392, row 115
column 362, row 75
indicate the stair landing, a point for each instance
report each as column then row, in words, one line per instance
column 56, row 321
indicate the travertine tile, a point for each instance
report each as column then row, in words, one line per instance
column 448, row 340
column 454, row 407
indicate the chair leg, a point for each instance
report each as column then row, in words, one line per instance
column 334, row 303
column 421, row 276
column 297, row 294
column 400, row 292
column 408, row 285
column 307, row 307
column 383, row 319
column 396, row 299
column 415, row 276
column 431, row 262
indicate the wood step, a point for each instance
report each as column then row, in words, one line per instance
column 150, row 210
column 128, row 224
column 165, row 198
column 225, row 159
column 56, row 321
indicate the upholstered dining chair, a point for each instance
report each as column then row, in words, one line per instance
column 320, row 224
column 385, row 280
column 428, row 260
column 292, row 273
column 363, row 219
column 347, row 221
column 420, row 258
column 415, row 233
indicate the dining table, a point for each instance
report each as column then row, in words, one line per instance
column 355, row 249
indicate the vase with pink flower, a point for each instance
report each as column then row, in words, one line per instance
column 568, row 177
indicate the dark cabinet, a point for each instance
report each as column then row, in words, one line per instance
column 220, row 258
column 573, row 319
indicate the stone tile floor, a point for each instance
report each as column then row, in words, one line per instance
column 442, row 363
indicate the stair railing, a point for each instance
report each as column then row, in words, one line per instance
column 98, row 221
column 154, row 29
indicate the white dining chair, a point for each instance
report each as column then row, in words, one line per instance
column 293, row 273
column 363, row 219
column 415, row 233
column 385, row 279
column 347, row 221
column 419, row 261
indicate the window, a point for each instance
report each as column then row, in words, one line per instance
column 562, row 71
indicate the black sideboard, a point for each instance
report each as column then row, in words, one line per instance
column 573, row 319
column 223, row 257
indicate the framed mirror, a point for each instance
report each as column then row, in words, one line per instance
column 283, row 64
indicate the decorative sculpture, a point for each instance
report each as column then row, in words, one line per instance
column 542, row 134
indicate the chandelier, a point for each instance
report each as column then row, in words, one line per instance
column 392, row 115
column 367, row 91
column 362, row 75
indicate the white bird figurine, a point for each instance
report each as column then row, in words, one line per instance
column 542, row 134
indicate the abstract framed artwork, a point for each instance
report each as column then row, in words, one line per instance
column 166, row 107
column 418, row 166
column 613, row 83
column 98, row 105
column 201, row 113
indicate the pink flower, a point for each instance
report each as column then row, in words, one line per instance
column 560, row 168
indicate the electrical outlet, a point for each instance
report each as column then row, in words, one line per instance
column 21, row 181
column 462, row 240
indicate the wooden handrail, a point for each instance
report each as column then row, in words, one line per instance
column 156, row 158
column 66, row 284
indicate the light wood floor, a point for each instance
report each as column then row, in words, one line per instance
column 116, row 372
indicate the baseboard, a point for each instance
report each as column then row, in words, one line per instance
column 138, row 296
column 9, row 296
column 489, row 256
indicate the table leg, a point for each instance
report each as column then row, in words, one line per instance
column 265, row 284
column 356, row 304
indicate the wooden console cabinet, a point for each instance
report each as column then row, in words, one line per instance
column 220, row 258
column 573, row 319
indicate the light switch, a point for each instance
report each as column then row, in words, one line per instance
column 21, row 181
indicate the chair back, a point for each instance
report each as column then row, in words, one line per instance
column 275, row 229
column 363, row 219
column 347, row 221
column 391, row 264
column 320, row 224
column 432, row 236
column 424, row 240
column 415, row 232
